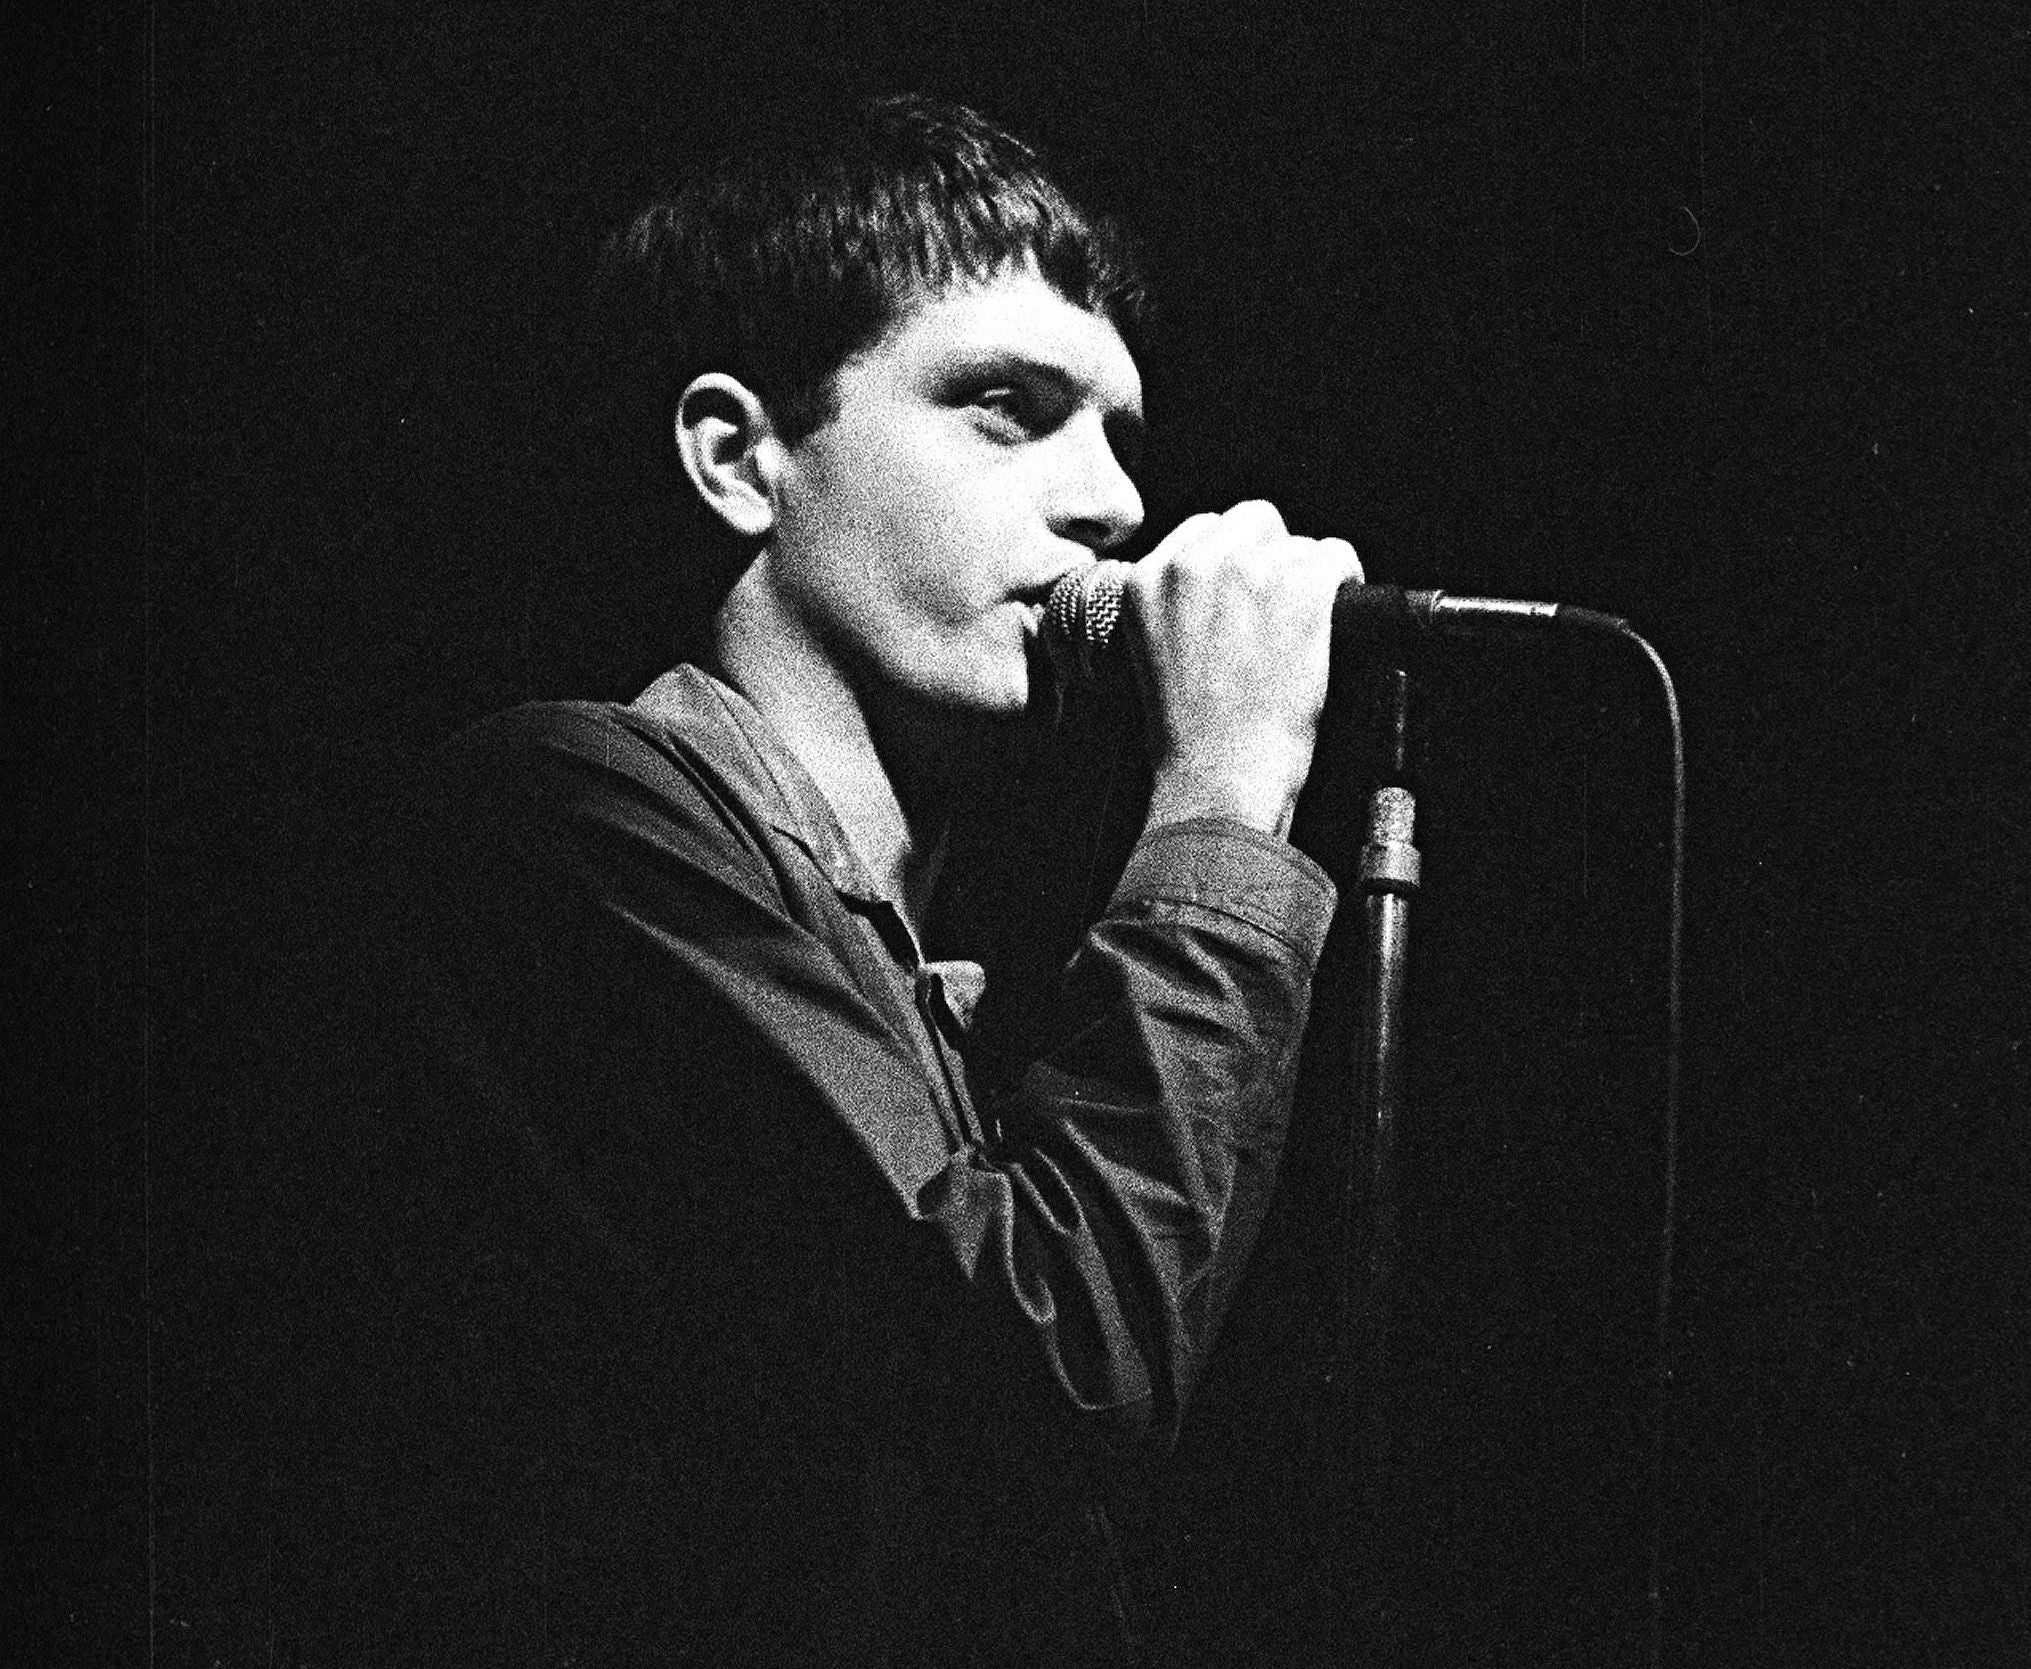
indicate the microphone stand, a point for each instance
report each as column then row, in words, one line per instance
column 1388, row 879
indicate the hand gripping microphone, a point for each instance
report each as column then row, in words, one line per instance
column 1082, row 615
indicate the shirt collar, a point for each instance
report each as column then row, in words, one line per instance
column 797, row 808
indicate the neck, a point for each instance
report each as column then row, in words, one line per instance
column 873, row 760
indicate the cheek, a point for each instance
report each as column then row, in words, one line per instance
column 906, row 528
column 949, row 548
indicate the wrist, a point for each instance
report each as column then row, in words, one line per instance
column 1182, row 790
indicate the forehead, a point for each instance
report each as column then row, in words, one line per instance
column 1013, row 319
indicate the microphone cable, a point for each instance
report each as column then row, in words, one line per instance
column 1667, row 1246
column 1674, row 1052
column 1674, row 1055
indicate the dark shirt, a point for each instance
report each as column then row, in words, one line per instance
column 739, row 1327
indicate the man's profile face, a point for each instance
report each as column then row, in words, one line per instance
column 975, row 456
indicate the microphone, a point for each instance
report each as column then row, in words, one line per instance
column 1083, row 613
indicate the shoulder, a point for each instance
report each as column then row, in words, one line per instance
column 571, row 753
column 528, row 736
column 543, row 736
column 552, row 776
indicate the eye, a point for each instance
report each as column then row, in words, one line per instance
column 1011, row 408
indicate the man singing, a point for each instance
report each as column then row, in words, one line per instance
column 745, row 1327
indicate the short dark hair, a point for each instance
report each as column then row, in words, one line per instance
column 788, row 258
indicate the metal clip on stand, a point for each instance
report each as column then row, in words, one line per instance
column 1388, row 878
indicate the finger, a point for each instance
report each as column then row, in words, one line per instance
column 1331, row 561
column 1343, row 556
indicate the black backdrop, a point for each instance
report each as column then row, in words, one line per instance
column 1713, row 315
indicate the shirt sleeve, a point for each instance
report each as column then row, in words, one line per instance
column 1142, row 1151
column 638, row 987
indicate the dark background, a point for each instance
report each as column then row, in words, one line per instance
column 1712, row 315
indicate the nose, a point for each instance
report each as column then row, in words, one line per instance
column 1100, row 506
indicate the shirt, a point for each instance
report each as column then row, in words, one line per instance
column 793, row 1342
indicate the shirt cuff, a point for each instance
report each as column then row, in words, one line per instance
column 1222, row 864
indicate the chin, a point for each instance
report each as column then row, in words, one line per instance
column 975, row 689
column 986, row 701
column 991, row 682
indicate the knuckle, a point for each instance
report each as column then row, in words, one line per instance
column 1196, row 531
column 1257, row 516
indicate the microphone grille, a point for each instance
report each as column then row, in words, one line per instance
column 1080, row 616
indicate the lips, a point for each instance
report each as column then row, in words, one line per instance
column 1042, row 589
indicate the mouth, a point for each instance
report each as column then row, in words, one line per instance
column 1038, row 594
column 1033, row 600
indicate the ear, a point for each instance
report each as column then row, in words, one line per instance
column 730, row 451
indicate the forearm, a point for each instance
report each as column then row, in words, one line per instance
column 1157, row 1126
